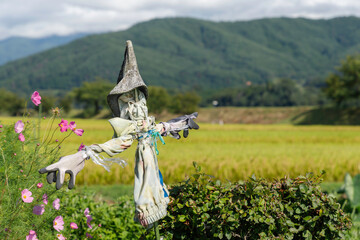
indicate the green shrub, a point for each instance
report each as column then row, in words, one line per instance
column 110, row 221
column 205, row 208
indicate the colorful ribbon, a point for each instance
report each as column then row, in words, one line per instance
column 155, row 135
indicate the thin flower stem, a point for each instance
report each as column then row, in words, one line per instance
column 33, row 160
column 16, row 212
column 2, row 194
column 38, row 200
column 47, row 128
column 39, row 121
column 52, row 136
column 6, row 176
column 47, row 137
column 61, row 142
column 57, row 151
column 32, row 186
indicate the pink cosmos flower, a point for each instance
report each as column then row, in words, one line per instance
column 72, row 125
column 63, row 125
column 39, row 185
column 32, row 235
column 36, row 98
column 78, row 132
column 56, row 204
column 39, row 210
column 1, row 126
column 21, row 137
column 60, row 236
column 88, row 235
column 73, row 225
column 58, row 223
column 86, row 212
column 88, row 217
column 45, row 199
column 19, row 126
column 88, row 221
column 81, row 147
column 21, row 170
column 26, row 196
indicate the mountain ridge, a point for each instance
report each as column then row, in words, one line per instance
column 14, row 48
column 192, row 54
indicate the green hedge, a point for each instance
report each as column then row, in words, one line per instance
column 205, row 208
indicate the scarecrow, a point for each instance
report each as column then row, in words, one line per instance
column 131, row 122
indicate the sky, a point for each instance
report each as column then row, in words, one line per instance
column 41, row 18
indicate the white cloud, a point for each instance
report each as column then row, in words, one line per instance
column 38, row 18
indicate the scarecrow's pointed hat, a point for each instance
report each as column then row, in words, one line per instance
column 129, row 79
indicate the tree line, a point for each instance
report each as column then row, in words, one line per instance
column 91, row 98
column 341, row 88
column 279, row 92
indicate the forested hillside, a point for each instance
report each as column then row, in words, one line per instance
column 191, row 54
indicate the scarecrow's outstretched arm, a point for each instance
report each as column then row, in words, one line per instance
column 74, row 163
column 174, row 126
column 113, row 146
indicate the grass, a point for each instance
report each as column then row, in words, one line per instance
column 108, row 193
column 230, row 152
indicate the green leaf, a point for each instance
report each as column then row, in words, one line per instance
column 303, row 188
column 356, row 198
column 349, row 187
column 182, row 218
column 307, row 235
column 205, row 216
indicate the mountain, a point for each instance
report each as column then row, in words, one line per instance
column 192, row 54
column 18, row 47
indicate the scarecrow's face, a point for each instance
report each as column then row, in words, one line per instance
column 128, row 96
column 132, row 105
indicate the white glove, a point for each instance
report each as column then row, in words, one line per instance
column 71, row 164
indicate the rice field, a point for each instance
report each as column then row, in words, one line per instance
column 229, row 152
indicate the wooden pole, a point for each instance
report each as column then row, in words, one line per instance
column 39, row 121
column 156, row 229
